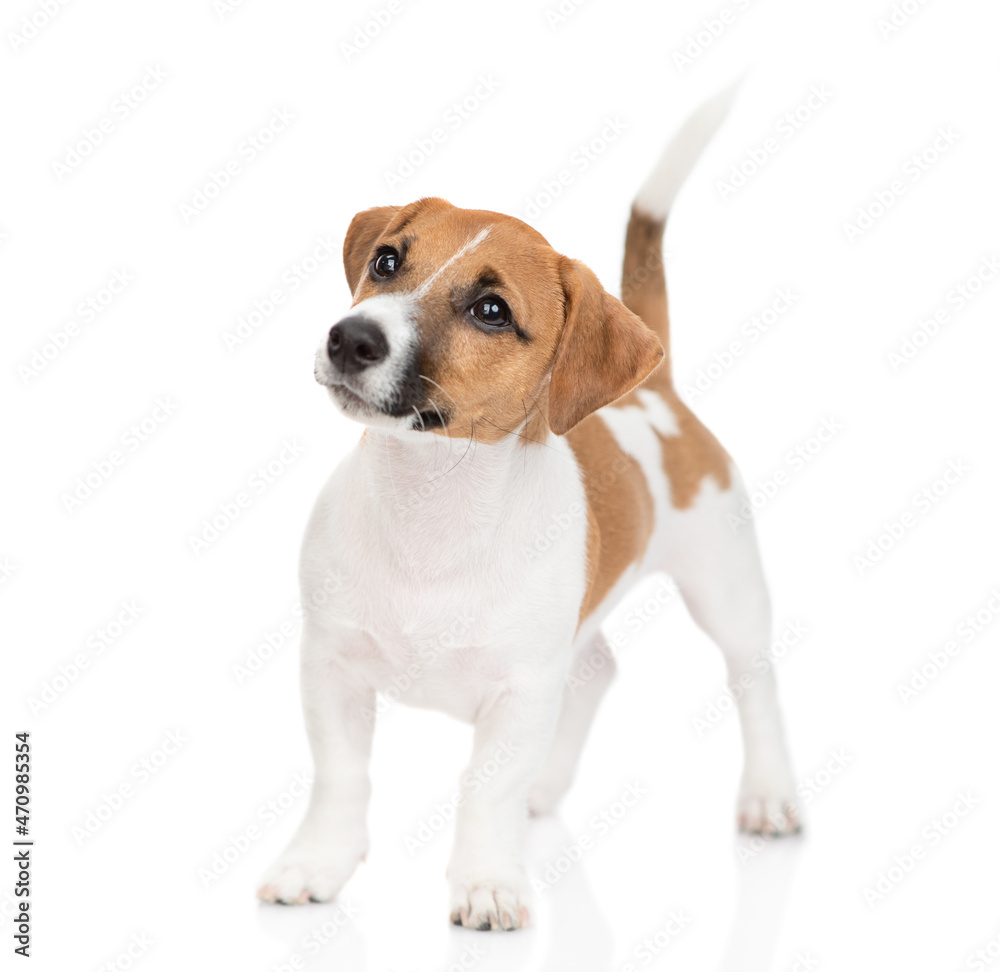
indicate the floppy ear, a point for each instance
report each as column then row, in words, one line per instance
column 364, row 230
column 604, row 351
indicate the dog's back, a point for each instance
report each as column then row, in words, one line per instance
column 623, row 517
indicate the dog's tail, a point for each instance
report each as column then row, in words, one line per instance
column 644, row 285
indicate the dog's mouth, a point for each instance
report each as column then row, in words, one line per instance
column 357, row 406
column 344, row 396
column 369, row 384
column 352, row 403
column 347, row 397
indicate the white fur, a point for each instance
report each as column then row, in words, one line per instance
column 660, row 189
column 417, row 559
column 446, row 593
column 721, row 579
column 464, row 569
column 466, row 247
column 394, row 313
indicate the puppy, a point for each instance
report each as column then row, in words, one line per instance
column 526, row 460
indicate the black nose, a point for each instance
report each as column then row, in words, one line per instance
column 355, row 343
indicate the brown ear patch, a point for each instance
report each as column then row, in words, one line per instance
column 605, row 350
column 366, row 227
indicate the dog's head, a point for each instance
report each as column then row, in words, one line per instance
column 467, row 323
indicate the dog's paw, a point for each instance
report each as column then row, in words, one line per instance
column 768, row 817
column 767, row 804
column 303, row 874
column 491, row 904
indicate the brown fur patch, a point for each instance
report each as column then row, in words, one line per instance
column 604, row 351
column 692, row 456
column 619, row 508
column 487, row 382
column 644, row 285
column 366, row 227
column 573, row 348
column 492, row 383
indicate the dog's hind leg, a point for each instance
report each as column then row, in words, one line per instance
column 715, row 561
column 592, row 672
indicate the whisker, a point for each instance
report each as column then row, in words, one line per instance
column 524, row 464
column 392, row 480
column 460, row 458
column 436, row 409
column 436, row 385
column 440, row 416
column 520, row 435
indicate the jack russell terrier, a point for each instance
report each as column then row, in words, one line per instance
column 507, row 398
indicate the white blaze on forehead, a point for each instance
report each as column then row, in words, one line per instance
column 395, row 314
column 357, row 290
column 467, row 247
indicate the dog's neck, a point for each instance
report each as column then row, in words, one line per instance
column 420, row 477
column 405, row 470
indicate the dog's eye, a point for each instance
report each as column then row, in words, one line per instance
column 386, row 263
column 491, row 310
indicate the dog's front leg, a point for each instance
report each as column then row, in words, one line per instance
column 489, row 886
column 333, row 837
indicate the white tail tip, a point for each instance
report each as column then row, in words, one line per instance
column 679, row 157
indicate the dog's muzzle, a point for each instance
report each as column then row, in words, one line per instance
column 356, row 343
column 346, row 365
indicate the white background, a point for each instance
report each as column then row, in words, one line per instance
column 800, row 904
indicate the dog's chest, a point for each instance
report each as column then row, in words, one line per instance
column 452, row 576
